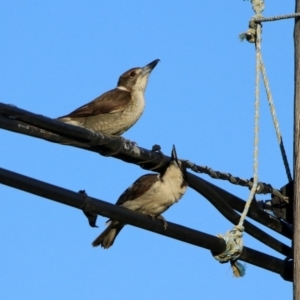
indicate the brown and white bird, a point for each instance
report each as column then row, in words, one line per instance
column 117, row 110
column 151, row 194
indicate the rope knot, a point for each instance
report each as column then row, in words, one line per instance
column 250, row 34
column 234, row 246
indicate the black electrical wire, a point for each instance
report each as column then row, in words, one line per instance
column 95, row 206
column 147, row 159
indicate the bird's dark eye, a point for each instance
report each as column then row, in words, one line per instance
column 132, row 74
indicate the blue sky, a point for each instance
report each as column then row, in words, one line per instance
column 58, row 55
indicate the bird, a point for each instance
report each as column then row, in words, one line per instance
column 150, row 194
column 115, row 111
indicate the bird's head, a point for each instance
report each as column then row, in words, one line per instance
column 136, row 78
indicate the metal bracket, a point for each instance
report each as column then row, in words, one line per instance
column 280, row 208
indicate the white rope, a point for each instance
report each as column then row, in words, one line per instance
column 258, row 6
column 234, row 237
column 234, row 247
column 256, row 126
column 250, row 35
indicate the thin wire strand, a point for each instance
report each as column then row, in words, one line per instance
column 262, row 188
column 276, row 18
column 275, row 120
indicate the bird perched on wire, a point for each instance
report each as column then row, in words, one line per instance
column 151, row 194
column 117, row 110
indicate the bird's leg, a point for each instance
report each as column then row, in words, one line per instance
column 160, row 217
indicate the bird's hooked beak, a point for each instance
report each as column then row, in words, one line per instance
column 148, row 68
column 174, row 157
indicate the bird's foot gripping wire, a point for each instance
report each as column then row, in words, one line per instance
column 118, row 146
column 160, row 217
column 128, row 142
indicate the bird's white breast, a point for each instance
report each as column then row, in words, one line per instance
column 134, row 110
column 139, row 102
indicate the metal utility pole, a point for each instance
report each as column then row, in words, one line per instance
column 296, row 240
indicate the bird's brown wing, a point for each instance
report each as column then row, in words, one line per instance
column 110, row 102
column 139, row 187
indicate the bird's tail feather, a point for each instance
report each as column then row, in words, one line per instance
column 107, row 237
